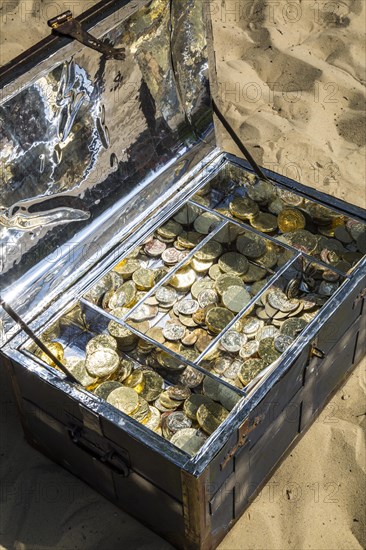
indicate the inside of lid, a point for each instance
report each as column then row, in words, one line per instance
column 200, row 313
column 89, row 131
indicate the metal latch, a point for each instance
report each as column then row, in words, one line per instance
column 68, row 26
column 243, row 433
column 316, row 352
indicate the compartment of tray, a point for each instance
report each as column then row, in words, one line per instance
column 313, row 228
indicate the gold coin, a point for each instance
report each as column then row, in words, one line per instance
column 154, row 248
column 135, row 381
column 102, row 362
column 255, row 273
column 209, row 251
column 124, row 370
column 127, row 267
column 252, row 247
column 234, row 262
column 291, row 219
column 169, row 362
column 143, row 313
column 189, row 239
column 236, row 298
column 192, row 404
column 124, row 399
column 76, row 367
column 189, row 440
column 267, row 223
column 203, row 340
column 243, row 208
column 179, row 392
column 142, row 414
column 250, row 369
column 101, row 341
column 167, row 401
column 218, row 318
column 200, row 267
column 183, row 279
column 129, row 290
column 172, row 256
column 144, row 279
column 215, row 272
column 56, row 349
column 125, row 338
column 187, row 321
column 187, row 214
column 200, row 285
column 153, row 385
column 156, row 333
column 210, row 416
column 170, row 230
column 155, row 418
column 228, row 233
column 104, row 389
column 225, row 281
column 261, row 192
column 205, row 223
column 199, row 317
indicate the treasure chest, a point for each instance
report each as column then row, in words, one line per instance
column 173, row 317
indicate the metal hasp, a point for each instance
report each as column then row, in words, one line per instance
column 66, row 24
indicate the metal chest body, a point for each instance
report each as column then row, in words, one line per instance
column 191, row 502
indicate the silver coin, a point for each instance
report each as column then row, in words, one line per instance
column 327, row 288
column 172, row 256
column 276, row 298
column 191, row 377
column 231, row 341
column 282, row 342
column 178, row 421
column 166, row 296
column 252, row 326
column 173, row 331
column 187, row 307
column 268, row 332
column 249, row 349
column 232, row 372
column 289, row 305
column 207, row 297
column 143, row 312
column 221, row 364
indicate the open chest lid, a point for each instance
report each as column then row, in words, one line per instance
column 83, row 132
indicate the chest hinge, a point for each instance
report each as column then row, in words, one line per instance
column 66, row 25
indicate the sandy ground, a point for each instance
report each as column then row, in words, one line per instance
column 291, row 81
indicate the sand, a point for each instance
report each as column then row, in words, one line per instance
column 291, row 81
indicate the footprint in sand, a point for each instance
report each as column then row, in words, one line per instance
column 283, row 72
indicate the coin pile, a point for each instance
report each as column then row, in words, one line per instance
column 203, row 297
column 185, row 407
column 280, row 316
column 307, row 226
column 146, row 265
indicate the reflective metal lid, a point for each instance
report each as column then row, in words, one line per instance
column 79, row 132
